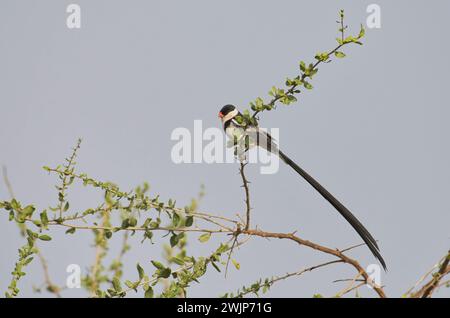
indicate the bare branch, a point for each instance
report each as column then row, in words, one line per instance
column 247, row 195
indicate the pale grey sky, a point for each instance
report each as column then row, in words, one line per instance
column 374, row 130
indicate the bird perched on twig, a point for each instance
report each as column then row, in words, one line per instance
column 254, row 136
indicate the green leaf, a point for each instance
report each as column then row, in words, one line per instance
column 44, row 218
column 215, row 266
column 204, row 237
column 236, row 264
column 158, row 265
column 27, row 261
column 307, row 85
column 129, row 284
column 164, row 273
column 177, row 260
column 28, row 210
column 302, row 66
column 66, row 206
column 222, row 248
column 116, row 284
column 71, row 230
column 140, row 271
column 148, row 235
column 174, row 239
column 322, row 56
column 125, row 224
column 362, row 32
column 108, row 234
column 339, row 54
column 189, row 221
column 149, row 292
column 175, row 219
column 45, row 237
column 15, row 205
column 132, row 221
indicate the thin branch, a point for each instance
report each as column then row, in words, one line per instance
column 66, row 175
column 350, row 286
column 7, row 183
column 347, row 280
column 52, row 288
column 379, row 290
column 211, row 216
column 272, row 281
column 245, row 183
column 235, row 239
column 352, row 247
column 247, row 195
column 423, row 277
column 210, row 220
column 293, row 89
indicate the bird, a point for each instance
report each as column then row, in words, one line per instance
column 229, row 115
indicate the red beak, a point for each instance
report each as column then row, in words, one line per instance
column 220, row 115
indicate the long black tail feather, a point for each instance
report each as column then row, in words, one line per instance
column 354, row 222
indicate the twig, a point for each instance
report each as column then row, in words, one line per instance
column 423, row 277
column 352, row 247
column 7, row 183
column 294, row 88
column 235, row 239
column 286, row 276
column 431, row 286
column 245, row 183
column 50, row 286
column 247, row 195
column 350, row 286
column 66, row 174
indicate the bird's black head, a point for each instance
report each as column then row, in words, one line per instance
column 226, row 110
